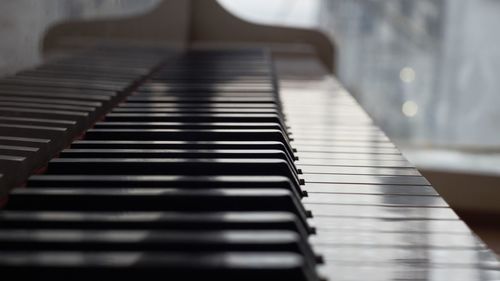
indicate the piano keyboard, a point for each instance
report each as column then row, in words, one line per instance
column 192, row 166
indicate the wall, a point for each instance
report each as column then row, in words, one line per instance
column 24, row 22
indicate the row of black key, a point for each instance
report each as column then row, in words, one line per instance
column 193, row 174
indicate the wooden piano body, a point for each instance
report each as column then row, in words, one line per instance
column 194, row 153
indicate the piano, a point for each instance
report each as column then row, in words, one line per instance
column 210, row 162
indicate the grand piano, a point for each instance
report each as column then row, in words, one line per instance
column 136, row 151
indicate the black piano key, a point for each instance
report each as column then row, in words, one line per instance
column 188, row 134
column 152, row 220
column 195, row 110
column 161, row 181
column 173, row 166
column 156, row 181
column 157, row 199
column 175, row 104
column 155, row 241
column 205, row 88
column 179, row 153
column 180, row 125
column 180, row 181
column 194, row 117
column 209, row 95
column 206, row 145
column 198, row 100
column 227, row 266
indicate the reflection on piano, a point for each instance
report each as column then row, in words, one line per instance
column 225, row 163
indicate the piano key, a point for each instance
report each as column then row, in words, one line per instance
column 152, row 220
column 91, row 112
column 82, row 118
column 399, row 163
column 181, row 125
column 180, row 153
column 45, row 146
column 216, row 87
column 196, row 110
column 349, row 156
column 332, row 170
column 197, row 100
column 360, row 150
column 226, row 266
column 411, row 255
column 70, row 124
column 88, row 104
column 336, row 134
column 413, row 240
column 381, row 212
column 366, row 179
column 359, row 224
column 59, row 136
column 12, row 150
column 49, row 106
column 19, row 88
column 350, row 188
column 326, row 145
column 194, row 117
column 156, row 241
column 105, row 99
column 58, row 80
column 158, row 199
column 206, row 145
column 150, row 181
column 375, row 200
column 188, row 134
column 403, row 271
column 172, row 166
column 63, row 84
column 191, row 105
column 174, row 181
column 208, row 94
column 341, row 137
column 73, row 73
